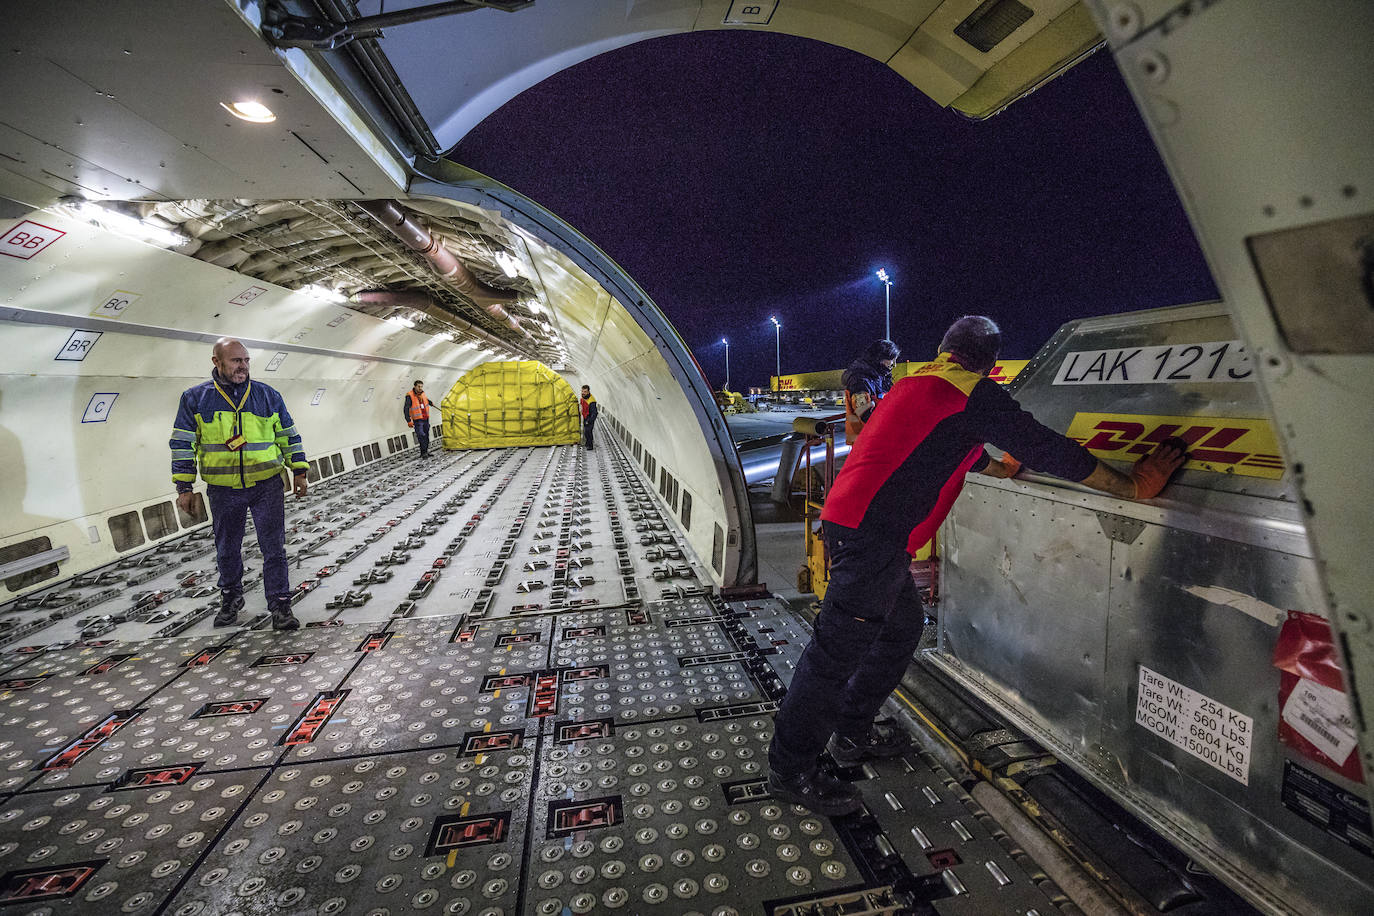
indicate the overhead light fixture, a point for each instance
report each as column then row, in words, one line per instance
column 323, row 292
column 249, row 110
column 123, row 223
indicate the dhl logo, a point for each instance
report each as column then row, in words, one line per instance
column 926, row 368
column 1226, row 445
column 1007, row 370
column 1002, row 372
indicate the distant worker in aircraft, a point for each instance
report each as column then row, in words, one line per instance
column 241, row 435
column 865, row 382
column 588, row 407
column 896, row 487
column 416, row 407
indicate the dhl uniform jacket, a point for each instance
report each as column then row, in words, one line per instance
column 903, row 474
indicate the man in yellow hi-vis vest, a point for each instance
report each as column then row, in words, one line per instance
column 239, row 433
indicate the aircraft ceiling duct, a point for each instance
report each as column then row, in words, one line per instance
column 406, row 228
column 420, row 302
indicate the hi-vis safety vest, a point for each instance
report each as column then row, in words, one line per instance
column 417, row 406
column 209, row 418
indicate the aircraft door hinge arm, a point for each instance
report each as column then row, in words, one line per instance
column 286, row 30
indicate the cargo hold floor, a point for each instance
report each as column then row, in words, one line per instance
column 513, row 695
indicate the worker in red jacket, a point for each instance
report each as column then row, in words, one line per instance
column 899, row 482
column 416, row 407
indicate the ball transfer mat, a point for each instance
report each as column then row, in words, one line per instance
column 460, row 740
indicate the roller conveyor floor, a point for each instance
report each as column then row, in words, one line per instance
column 512, row 695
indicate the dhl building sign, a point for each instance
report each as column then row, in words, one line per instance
column 1003, row 372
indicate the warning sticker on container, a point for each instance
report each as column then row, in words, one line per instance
column 1322, row 716
column 1212, row 732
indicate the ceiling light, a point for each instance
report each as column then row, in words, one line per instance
column 323, row 292
column 123, row 223
column 249, row 110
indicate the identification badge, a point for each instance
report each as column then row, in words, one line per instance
column 235, row 443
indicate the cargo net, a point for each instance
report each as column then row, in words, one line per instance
column 501, row 404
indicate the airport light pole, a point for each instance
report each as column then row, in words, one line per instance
column 777, row 329
column 887, row 298
column 727, row 362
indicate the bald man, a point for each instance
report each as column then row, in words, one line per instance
column 239, row 432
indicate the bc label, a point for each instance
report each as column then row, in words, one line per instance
column 116, row 304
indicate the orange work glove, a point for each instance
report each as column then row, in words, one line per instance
column 1010, row 464
column 410, row 423
column 1153, row 471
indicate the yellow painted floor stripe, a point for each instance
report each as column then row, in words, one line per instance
column 935, row 729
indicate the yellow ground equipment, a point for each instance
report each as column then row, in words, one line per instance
column 510, row 404
column 733, row 402
column 814, row 575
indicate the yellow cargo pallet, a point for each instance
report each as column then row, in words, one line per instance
column 502, row 404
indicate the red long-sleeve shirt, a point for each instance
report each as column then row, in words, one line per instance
column 905, row 471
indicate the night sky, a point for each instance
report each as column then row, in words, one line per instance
column 737, row 175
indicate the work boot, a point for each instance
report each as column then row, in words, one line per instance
column 282, row 618
column 230, row 603
column 882, row 740
column 817, row 791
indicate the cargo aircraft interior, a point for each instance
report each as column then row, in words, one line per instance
column 535, row 678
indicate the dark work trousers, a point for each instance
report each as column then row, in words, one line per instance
column 587, row 431
column 422, row 436
column 229, row 510
column 851, row 665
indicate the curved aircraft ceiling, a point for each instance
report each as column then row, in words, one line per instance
column 974, row 58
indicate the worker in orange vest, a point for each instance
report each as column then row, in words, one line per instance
column 416, row 407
